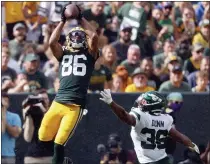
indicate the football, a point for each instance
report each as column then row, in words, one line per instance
column 71, row 11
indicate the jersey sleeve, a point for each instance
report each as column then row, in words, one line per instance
column 135, row 114
column 139, row 116
column 63, row 50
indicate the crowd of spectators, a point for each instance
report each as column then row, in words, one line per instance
column 145, row 46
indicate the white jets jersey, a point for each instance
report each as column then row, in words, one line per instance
column 149, row 135
column 52, row 10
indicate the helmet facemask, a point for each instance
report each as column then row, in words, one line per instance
column 76, row 39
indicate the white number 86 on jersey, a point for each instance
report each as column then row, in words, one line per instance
column 70, row 64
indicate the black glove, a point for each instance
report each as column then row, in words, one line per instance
column 80, row 13
column 63, row 17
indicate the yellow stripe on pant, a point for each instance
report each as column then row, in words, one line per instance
column 60, row 122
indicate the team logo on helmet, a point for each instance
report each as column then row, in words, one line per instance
column 76, row 39
column 152, row 102
column 154, row 97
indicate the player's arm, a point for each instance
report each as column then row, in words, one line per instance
column 92, row 35
column 181, row 138
column 55, row 47
column 117, row 109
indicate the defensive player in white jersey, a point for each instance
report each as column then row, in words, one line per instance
column 150, row 128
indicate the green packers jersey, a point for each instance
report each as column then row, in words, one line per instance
column 136, row 17
column 74, row 72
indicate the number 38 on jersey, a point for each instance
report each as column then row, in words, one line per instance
column 71, row 65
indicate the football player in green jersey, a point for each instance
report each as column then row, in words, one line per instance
column 77, row 61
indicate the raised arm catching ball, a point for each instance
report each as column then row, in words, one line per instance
column 77, row 60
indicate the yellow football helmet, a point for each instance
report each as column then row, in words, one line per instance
column 77, row 39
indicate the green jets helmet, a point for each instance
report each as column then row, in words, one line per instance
column 152, row 102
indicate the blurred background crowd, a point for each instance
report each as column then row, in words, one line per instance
column 144, row 45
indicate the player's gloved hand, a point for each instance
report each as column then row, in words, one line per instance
column 195, row 148
column 80, row 13
column 63, row 17
column 106, row 96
